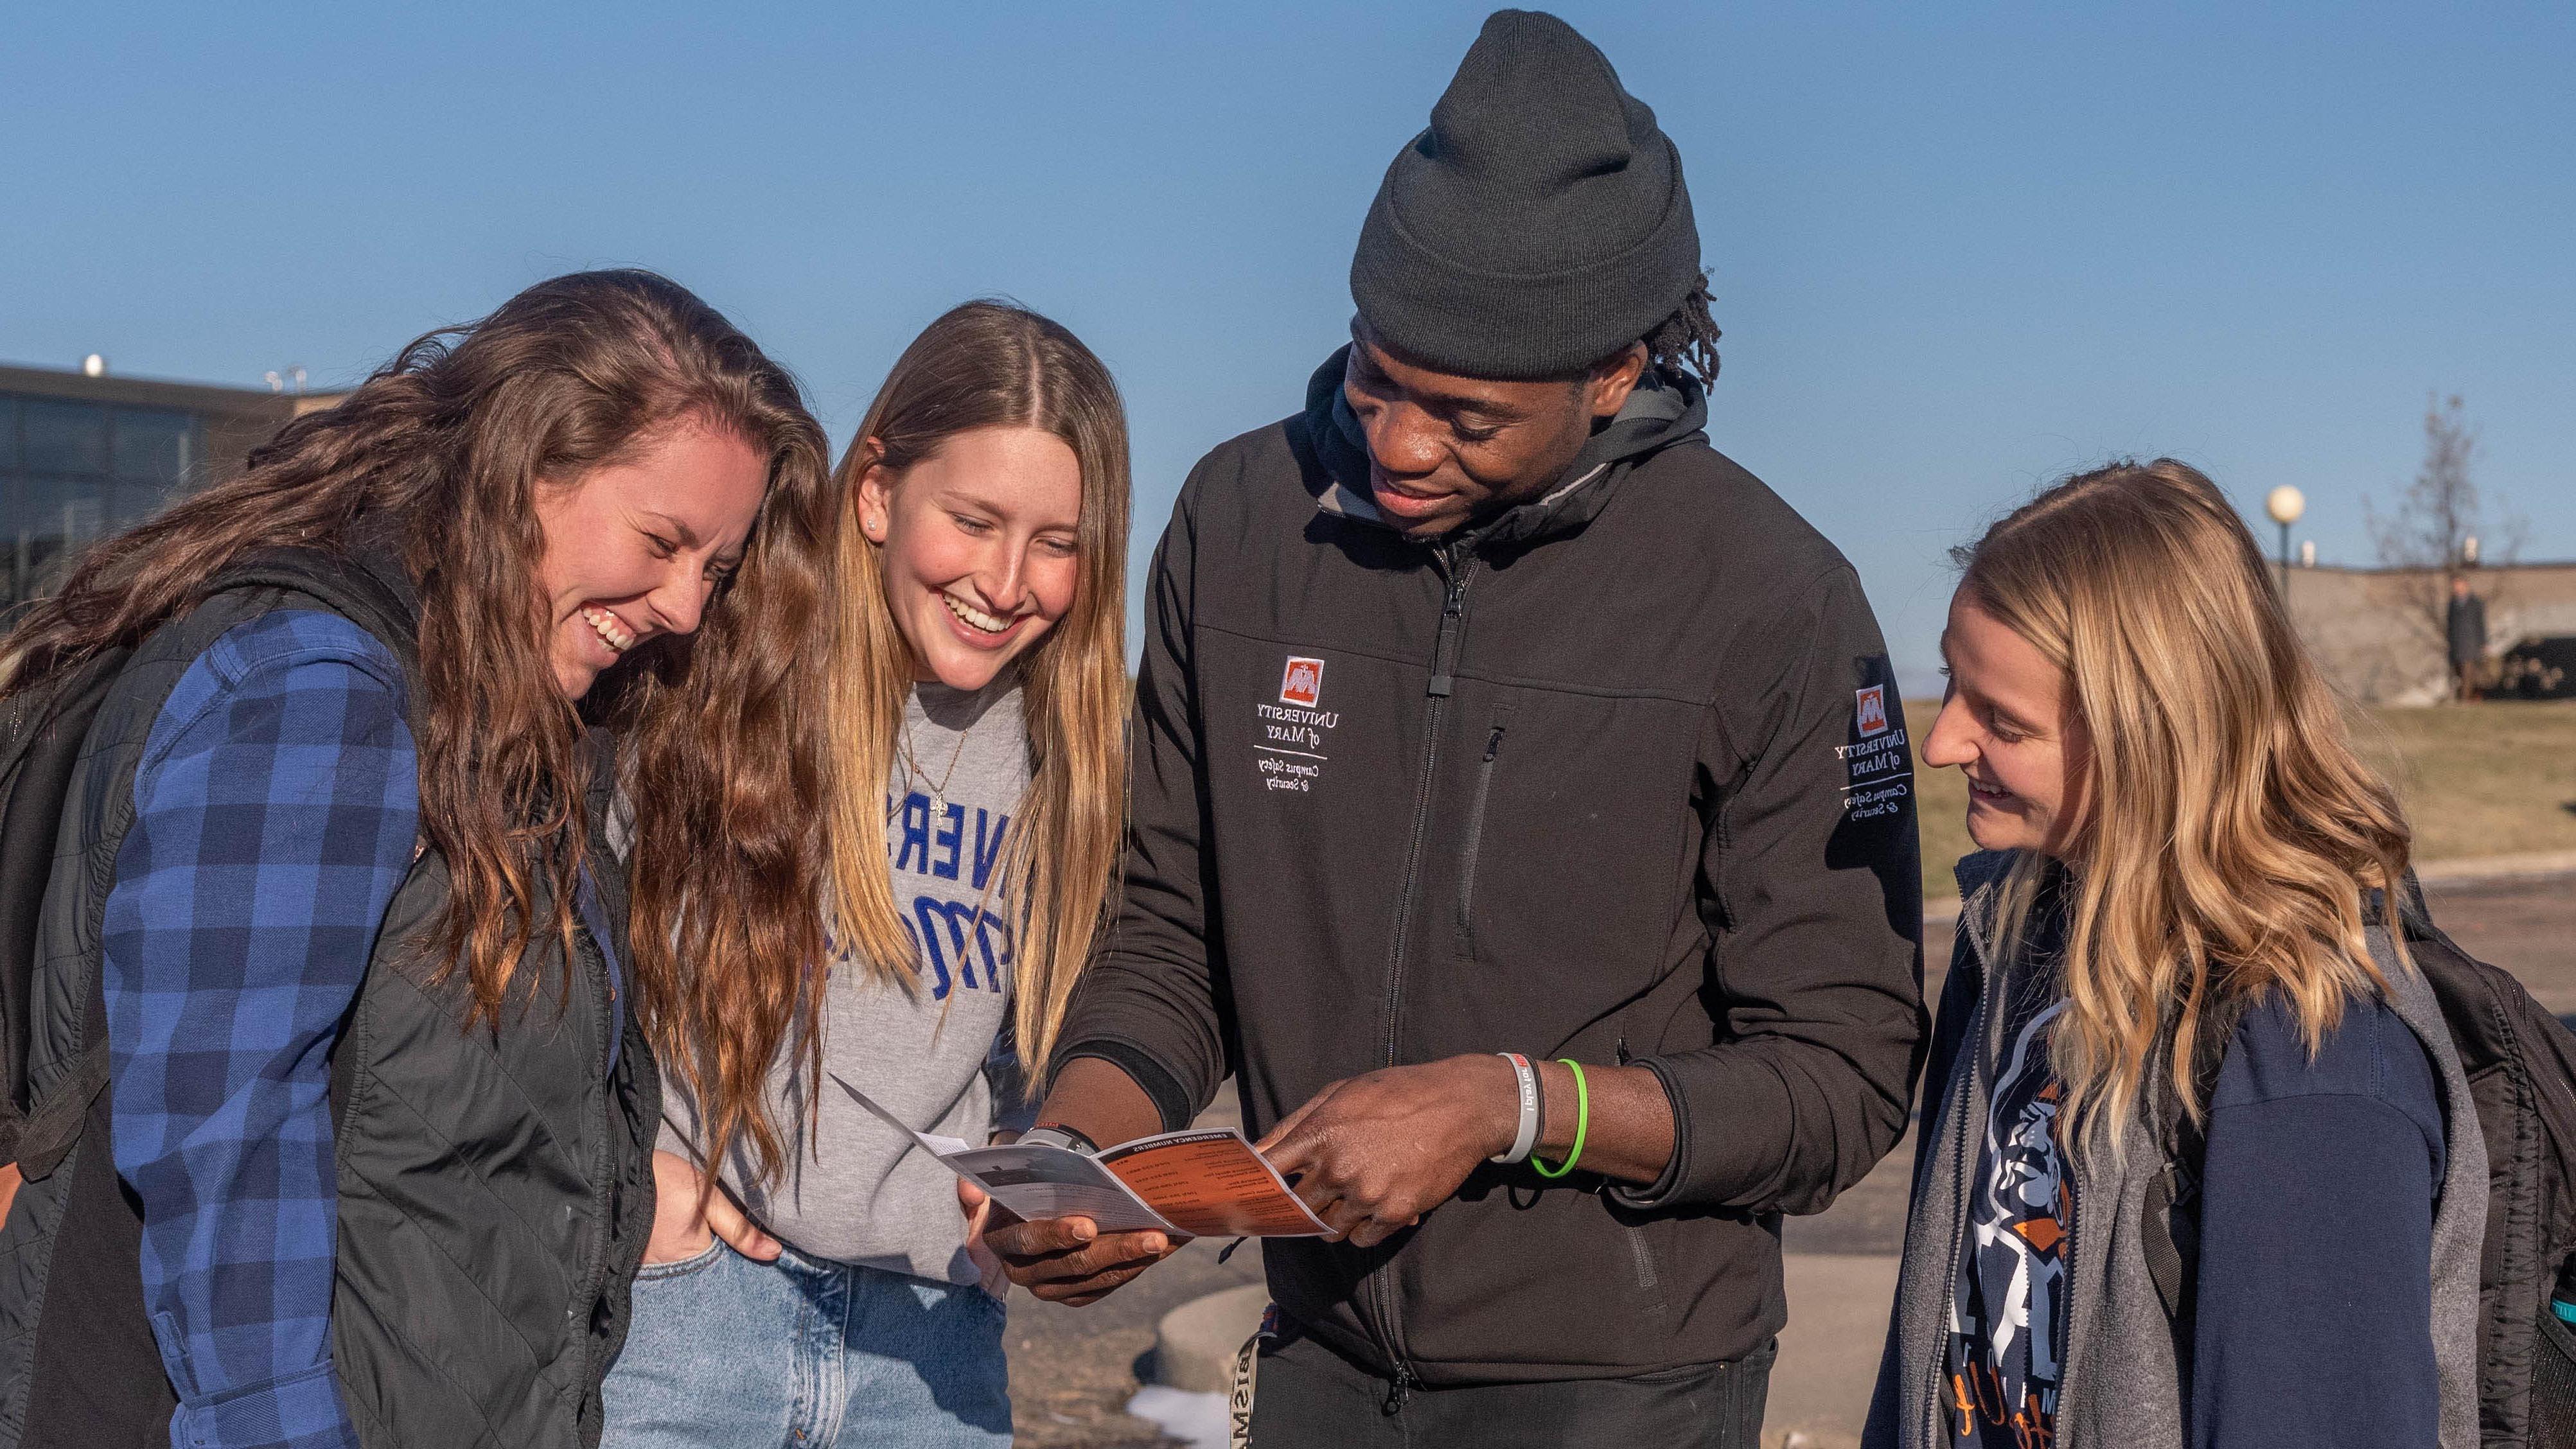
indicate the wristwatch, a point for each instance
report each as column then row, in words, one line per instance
column 1056, row 1134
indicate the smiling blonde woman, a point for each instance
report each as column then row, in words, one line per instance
column 978, row 690
column 2183, row 918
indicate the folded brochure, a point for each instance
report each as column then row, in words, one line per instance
column 1199, row 1184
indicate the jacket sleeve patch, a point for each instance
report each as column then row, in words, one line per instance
column 1878, row 771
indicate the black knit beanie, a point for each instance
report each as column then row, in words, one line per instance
column 1539, row 226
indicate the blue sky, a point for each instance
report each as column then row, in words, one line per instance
column 1957, row 250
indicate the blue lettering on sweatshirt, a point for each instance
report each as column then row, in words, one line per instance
column 988, row 856
column 949, row 840
column 956, row 942
column 916, row 834
column 955, row 931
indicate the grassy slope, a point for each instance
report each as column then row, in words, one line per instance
column 2485, row 779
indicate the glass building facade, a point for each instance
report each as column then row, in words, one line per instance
column 82, row 457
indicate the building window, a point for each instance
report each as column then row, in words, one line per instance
column 153, row 445
column 63, row 437
column 72, row 472
column 155, row 453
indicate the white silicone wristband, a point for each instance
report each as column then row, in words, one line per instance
column 1527, row 1137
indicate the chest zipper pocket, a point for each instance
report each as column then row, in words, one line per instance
column 1475, row 842
column 1645, row 1261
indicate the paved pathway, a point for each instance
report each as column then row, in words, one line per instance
column 1073, row 1370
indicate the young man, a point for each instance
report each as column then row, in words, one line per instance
column 1485, row 708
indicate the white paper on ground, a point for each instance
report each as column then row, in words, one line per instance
column 1199, row 1420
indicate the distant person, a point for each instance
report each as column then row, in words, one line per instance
column 832, row 1292
column 2183, row 860
column 1486, row 709
column 2464, row 629
column 367, row 1161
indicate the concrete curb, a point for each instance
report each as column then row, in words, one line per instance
column 1196, row 1343
column 2476, row 870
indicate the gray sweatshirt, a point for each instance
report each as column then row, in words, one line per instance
column 856, row 1192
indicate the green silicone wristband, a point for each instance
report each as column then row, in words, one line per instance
column 1582, row 1124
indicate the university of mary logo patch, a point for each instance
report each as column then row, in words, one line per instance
column 1881, row 780
column 1295, row 731
column 1873, row 710
column 1303, row 683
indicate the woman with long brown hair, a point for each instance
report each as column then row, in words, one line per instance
column 372, row 1160
column 978, row 699
column 2183, row 927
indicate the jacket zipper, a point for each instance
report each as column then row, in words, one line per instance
column 1636, row 1233
column 1459, row 564
column 1475, row 839
column 1973, row 1042
column 592, row 958
column 2065, row 1346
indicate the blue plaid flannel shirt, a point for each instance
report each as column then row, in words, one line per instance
column 276, row 807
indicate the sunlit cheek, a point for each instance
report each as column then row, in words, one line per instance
column 931, row 557
column 2032, row 781
column 1054, row 580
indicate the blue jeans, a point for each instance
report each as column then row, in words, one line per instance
column 806, row 1354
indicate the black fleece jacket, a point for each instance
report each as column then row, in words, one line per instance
column 1618, row 776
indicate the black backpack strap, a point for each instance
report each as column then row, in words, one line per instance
column 2170, row 1242
column 2171, row 1221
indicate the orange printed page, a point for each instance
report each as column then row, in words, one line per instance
column 1212, row 1185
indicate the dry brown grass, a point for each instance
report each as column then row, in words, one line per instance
column 2477, row 780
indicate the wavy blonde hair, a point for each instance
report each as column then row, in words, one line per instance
column 990, row 364
column 2228, row 834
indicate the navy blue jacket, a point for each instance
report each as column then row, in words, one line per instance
column 2315, row 1283
column 2315, row 1279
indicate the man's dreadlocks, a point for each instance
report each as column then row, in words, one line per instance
column 1686, row 342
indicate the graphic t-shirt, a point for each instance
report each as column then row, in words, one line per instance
column 936, row 1055
column 2008, row 1308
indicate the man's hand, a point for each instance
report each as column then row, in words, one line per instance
column 1069, row 1261
column 1373, row 1153
column 681, row 1231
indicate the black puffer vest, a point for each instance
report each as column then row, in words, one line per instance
column 496, row 1185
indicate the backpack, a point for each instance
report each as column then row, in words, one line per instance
column 41, row 734
column 44, row 734
column 42, row 731
column 2521, row 1065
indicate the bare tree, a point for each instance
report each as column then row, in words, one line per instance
column 2439, row 527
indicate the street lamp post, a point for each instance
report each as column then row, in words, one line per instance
column 2285, row 504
